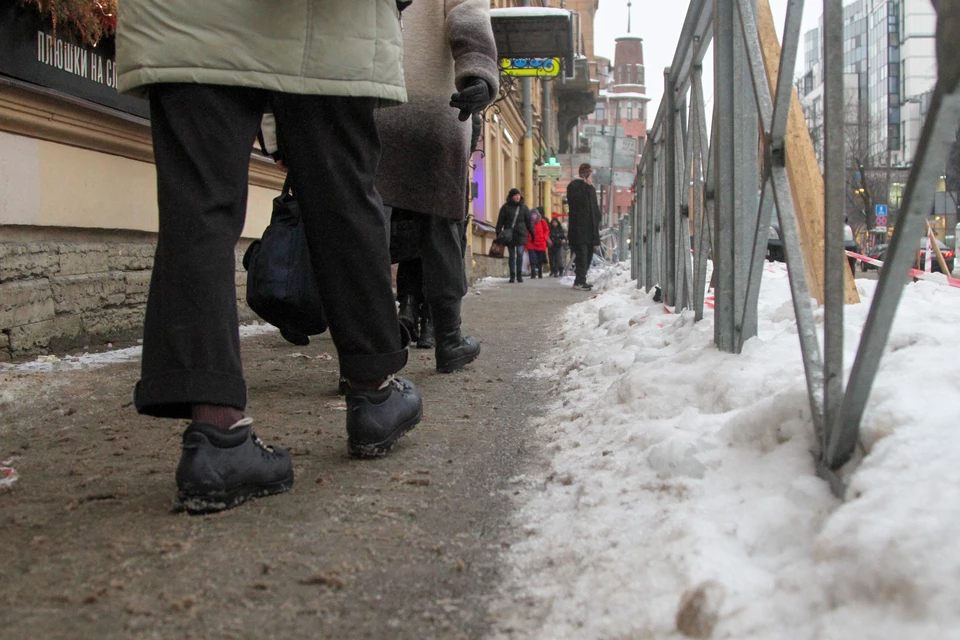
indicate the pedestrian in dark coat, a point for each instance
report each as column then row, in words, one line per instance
column 583, row 224
column 516, row 212
column 557, row 239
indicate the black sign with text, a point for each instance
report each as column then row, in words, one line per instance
column 31, row 51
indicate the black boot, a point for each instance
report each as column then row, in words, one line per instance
column 454, row 350
column 408, row 316
column 426, row 340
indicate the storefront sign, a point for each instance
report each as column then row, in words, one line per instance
column 31, row 51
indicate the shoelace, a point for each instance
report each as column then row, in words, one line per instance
column 391, row 380
column 245, row 422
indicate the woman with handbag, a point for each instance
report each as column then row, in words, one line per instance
column 514, row 227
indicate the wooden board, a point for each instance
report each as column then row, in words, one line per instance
column 803, row 170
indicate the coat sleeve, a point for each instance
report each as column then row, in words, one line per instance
column 500, row 222
column 471, row 41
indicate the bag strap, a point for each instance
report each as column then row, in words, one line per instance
column 516, row 213
column 287, row 185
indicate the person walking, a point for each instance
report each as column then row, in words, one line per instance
column 514, row 217
column 583, row 232
column 558, row 237
column 210, row 73
column 537, row 245
column 424, row 170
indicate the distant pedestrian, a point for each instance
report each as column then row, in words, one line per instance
column 515, row 215
column 558, row 238
column 537, row 244
column 584, row 219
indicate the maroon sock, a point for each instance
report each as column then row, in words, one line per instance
column 217, row 415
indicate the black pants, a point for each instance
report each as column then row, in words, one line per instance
column 202, row 139
column 556, row 259
column 438, row 275
column 582, row 255
column 515, row 261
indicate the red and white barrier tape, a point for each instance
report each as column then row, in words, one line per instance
column 914, row 273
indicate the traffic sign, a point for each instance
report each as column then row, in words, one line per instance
column 548, row 172
column 880, row 215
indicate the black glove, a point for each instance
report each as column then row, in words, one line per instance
column 474, row 97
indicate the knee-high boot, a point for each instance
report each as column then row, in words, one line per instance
column 454, row 350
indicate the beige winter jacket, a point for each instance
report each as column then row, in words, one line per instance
column 324, row 47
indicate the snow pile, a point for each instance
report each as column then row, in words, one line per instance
column 47, row 363
column 680, row 473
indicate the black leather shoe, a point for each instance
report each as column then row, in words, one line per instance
column 454, row 350
column 221, row 469
column 377, row 418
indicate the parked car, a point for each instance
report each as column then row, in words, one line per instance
column 775, row 244
column 921, row 258
column 874, row 252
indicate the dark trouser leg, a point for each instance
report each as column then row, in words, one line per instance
column 581, row 255
column 410, row 295
column 202, row 136
column 513, row 253
column 410, row 279
column 444, row 278
column 333, row 149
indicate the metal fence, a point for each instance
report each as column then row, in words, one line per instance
column 701, row 198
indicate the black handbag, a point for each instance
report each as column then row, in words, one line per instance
column 505, row 237
column 281, row 285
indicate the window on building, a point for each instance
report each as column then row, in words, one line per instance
column 896, row 193
column 639, row 74
column 629, row 111
column 893, row 137
column 601, row 112
column 640, row 111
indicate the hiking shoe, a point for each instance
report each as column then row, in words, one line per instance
column 220, row 469
column 377, row 418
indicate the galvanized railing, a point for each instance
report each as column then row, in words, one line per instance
column 701, row 198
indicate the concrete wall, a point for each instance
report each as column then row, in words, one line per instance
column 62, row 289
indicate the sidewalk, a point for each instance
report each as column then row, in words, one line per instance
column 404, row 547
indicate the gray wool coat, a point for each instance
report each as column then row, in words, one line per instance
column 424, row 166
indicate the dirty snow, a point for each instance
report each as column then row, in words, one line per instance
column 681, row 473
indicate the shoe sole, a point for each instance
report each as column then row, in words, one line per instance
column 458, row 363
column 382, row 448
column 196, row 505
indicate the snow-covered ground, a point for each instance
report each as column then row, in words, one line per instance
column 677, row 469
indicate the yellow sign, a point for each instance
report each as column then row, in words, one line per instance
column 536, row 67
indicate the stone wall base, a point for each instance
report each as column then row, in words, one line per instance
column 485, row 266
column 62, row 289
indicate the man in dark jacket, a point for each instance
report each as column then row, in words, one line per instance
column 583, row 232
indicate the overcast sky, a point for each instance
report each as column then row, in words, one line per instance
column 659, row 23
